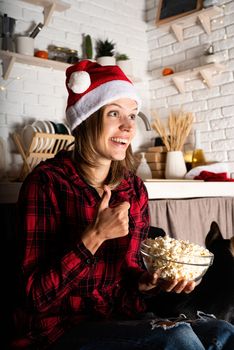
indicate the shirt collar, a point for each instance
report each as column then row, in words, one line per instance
column 70, row 169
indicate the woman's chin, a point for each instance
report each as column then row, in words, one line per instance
column 119, row 158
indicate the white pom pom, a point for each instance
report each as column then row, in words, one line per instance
column 79, row 82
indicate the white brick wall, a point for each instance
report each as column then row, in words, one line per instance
column 40, row 93
column 214, row 108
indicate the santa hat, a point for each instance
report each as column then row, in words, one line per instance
column 91, row 86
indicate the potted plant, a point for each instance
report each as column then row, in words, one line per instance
column 105, row 52
column 124, row 62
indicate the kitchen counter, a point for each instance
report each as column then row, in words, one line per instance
column 160, row 189
column 157, row 189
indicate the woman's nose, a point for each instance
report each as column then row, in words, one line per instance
column 127, row 124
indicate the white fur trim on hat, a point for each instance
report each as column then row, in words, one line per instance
column 99, row 97
column 79, row 82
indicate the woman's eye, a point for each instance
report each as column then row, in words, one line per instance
column 113, row 113
column 132, row 116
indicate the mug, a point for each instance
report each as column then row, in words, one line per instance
column 25, row 45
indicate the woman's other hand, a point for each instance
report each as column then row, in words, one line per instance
column 178, row 286
column 149, row 281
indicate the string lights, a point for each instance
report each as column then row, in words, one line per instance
column 4, row 87
column 221, row 20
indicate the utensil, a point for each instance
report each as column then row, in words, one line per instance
column 36, row 30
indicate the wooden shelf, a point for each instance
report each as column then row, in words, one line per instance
column 9, row 58
column 203, row 16
column 205, row 72
column 49, row 7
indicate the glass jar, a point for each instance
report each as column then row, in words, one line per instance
column 58, row 53
column 72, row 56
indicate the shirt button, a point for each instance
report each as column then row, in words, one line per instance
column 88, row 261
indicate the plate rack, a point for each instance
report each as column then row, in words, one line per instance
column 42, row 147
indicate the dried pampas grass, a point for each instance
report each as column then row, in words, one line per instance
column 179, row 126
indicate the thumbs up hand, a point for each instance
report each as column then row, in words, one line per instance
column 109, row 223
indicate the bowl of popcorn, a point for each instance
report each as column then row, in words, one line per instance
column 177, row 259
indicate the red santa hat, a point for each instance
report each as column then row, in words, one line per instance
column 91, row 86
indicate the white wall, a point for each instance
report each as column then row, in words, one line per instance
column 40, row 93
column 213, row 108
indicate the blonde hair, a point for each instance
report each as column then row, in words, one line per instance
column 87, row 135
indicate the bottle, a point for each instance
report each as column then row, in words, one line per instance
column 143, row 170
column 198, row 157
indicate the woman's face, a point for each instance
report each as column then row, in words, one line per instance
column 119, row 128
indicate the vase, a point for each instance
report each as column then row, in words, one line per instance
column 106, row 60
column 175, row 165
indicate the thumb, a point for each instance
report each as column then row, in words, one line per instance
column 105, row 198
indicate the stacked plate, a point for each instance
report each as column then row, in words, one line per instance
column 47, row 127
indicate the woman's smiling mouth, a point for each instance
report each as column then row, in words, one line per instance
column 119, row 140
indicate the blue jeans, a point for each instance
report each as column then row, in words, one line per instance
column 150, row 334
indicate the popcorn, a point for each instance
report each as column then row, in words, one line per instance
column 177, row 259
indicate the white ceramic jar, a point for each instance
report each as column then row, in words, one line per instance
column 175, row 165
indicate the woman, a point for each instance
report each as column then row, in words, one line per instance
column 83, row 216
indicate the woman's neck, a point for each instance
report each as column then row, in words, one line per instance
column 97, row 176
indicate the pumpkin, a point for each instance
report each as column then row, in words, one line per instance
column 167, row 71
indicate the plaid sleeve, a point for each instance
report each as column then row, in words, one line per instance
column 129, row 299
column 48, row 278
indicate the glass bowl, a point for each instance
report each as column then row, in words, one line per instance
column 176, row 265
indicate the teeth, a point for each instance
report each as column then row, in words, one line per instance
column 116, row 139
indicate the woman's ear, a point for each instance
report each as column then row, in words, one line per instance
column 213, row 235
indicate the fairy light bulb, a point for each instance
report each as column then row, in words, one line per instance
column 4, row 87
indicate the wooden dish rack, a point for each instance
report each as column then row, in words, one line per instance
column 53, row 143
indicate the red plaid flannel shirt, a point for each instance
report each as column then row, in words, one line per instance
column 64, row 282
